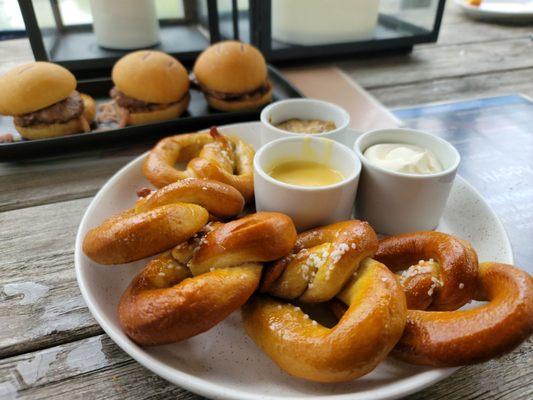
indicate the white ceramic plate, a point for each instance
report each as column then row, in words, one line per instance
column 499, row 10
column 224, row 363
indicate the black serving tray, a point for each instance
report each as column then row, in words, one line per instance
column 198, row 116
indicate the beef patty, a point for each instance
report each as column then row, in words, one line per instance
column 63, row 111
column 251, row 95
column 136, row 105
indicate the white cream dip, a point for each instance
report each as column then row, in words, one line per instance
column 406, row 158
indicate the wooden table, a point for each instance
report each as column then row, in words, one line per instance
column 51, row 347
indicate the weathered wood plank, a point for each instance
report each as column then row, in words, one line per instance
column 40, row 303
column 506, row 378
column 455, row 89
column 96, row 368
column 428, row 63
column 35, row 182
column 93, row 368
column 463, row 32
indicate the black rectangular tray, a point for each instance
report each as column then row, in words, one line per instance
column 198, row 116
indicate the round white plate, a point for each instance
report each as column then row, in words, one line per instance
column 224, row 363
column 499, row 10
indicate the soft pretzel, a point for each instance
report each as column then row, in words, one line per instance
column 189, row 290
column 446, row 282
column 321, row 262
column 161, row 220
column 454, row 338
column 324, row 261
column 209, row 156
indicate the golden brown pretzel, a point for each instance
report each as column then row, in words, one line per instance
column 321, row 266
column 209, row 156
column 189, row 290
column 446, row 282
column 454, row 338
column 321, row 262
column 161, row 220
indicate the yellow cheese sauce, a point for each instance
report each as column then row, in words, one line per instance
column 305, row 173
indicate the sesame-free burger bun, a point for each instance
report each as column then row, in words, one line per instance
column 151, row 76
column 43, row 131
column 239, row 105
column 173, row 110
column 231, row 67
column 31, row 87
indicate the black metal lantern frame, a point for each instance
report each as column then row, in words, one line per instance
column 208, row 21
column 74, row 46
column 392, row 33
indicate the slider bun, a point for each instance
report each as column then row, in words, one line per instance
column 50, row 130
column 172, row 111
column 89, row 107
column 231, row 67
column 239, row 105
column 151, row 76
column 31, row 87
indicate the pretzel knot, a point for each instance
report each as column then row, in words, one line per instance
column 161, row 220
column 321, row 266
column 208, row 156
column 190, row 289
column 442, row 269
column 457, row 337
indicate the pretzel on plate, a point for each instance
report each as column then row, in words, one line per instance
column 161, row 220
column 456, row 337
column 442, row 271
column 208, row 156
column 321, row 266
column 189, row 290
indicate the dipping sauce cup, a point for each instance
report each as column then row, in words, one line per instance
column 305, row 109
column 308, row 206
column 398, row 202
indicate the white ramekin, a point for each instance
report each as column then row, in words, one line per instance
column 307, row 206
column 396, row 202
column 303, row 109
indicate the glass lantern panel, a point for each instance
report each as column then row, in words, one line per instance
column 419, row 13
column 319, row 22
column 75, row 12
column 10, row 16
column 79, row 30
column 166, row 9
column 234, row 23
column 44, row 13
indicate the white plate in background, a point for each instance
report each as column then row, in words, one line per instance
column 499, row 10
column 224, row 363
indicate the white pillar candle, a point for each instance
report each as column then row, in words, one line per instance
column 312, row 22
column 125, row 24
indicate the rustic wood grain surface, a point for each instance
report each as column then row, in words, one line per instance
column 51, row 347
